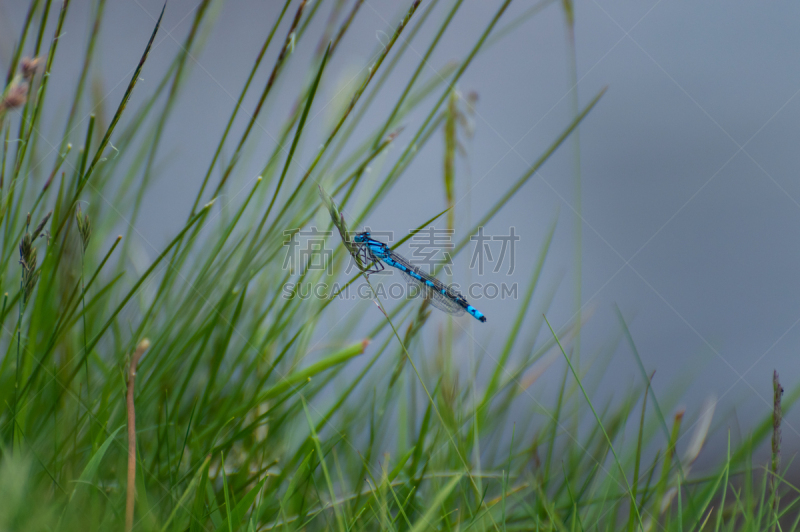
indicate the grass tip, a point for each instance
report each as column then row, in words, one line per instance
column 364, row 343
column 393, row 135
column 209, row 204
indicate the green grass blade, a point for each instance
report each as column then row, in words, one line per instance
column 425, row 522
column 93, row 464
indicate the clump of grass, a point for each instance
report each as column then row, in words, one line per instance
column 255, row 409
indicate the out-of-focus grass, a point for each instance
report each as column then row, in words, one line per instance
column 244, row 420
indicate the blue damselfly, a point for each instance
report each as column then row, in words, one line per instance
column 441, row 296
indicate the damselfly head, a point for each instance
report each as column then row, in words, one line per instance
column 361, row 238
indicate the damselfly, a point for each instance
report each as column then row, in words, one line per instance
column 437, row 293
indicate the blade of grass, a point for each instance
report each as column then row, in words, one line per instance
column 84, row 179
column 336, row 510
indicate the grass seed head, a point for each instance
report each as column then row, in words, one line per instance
column 30, row 66
column 84, row 227
column 27, row 257
column 338, row 220
column 15, row 96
